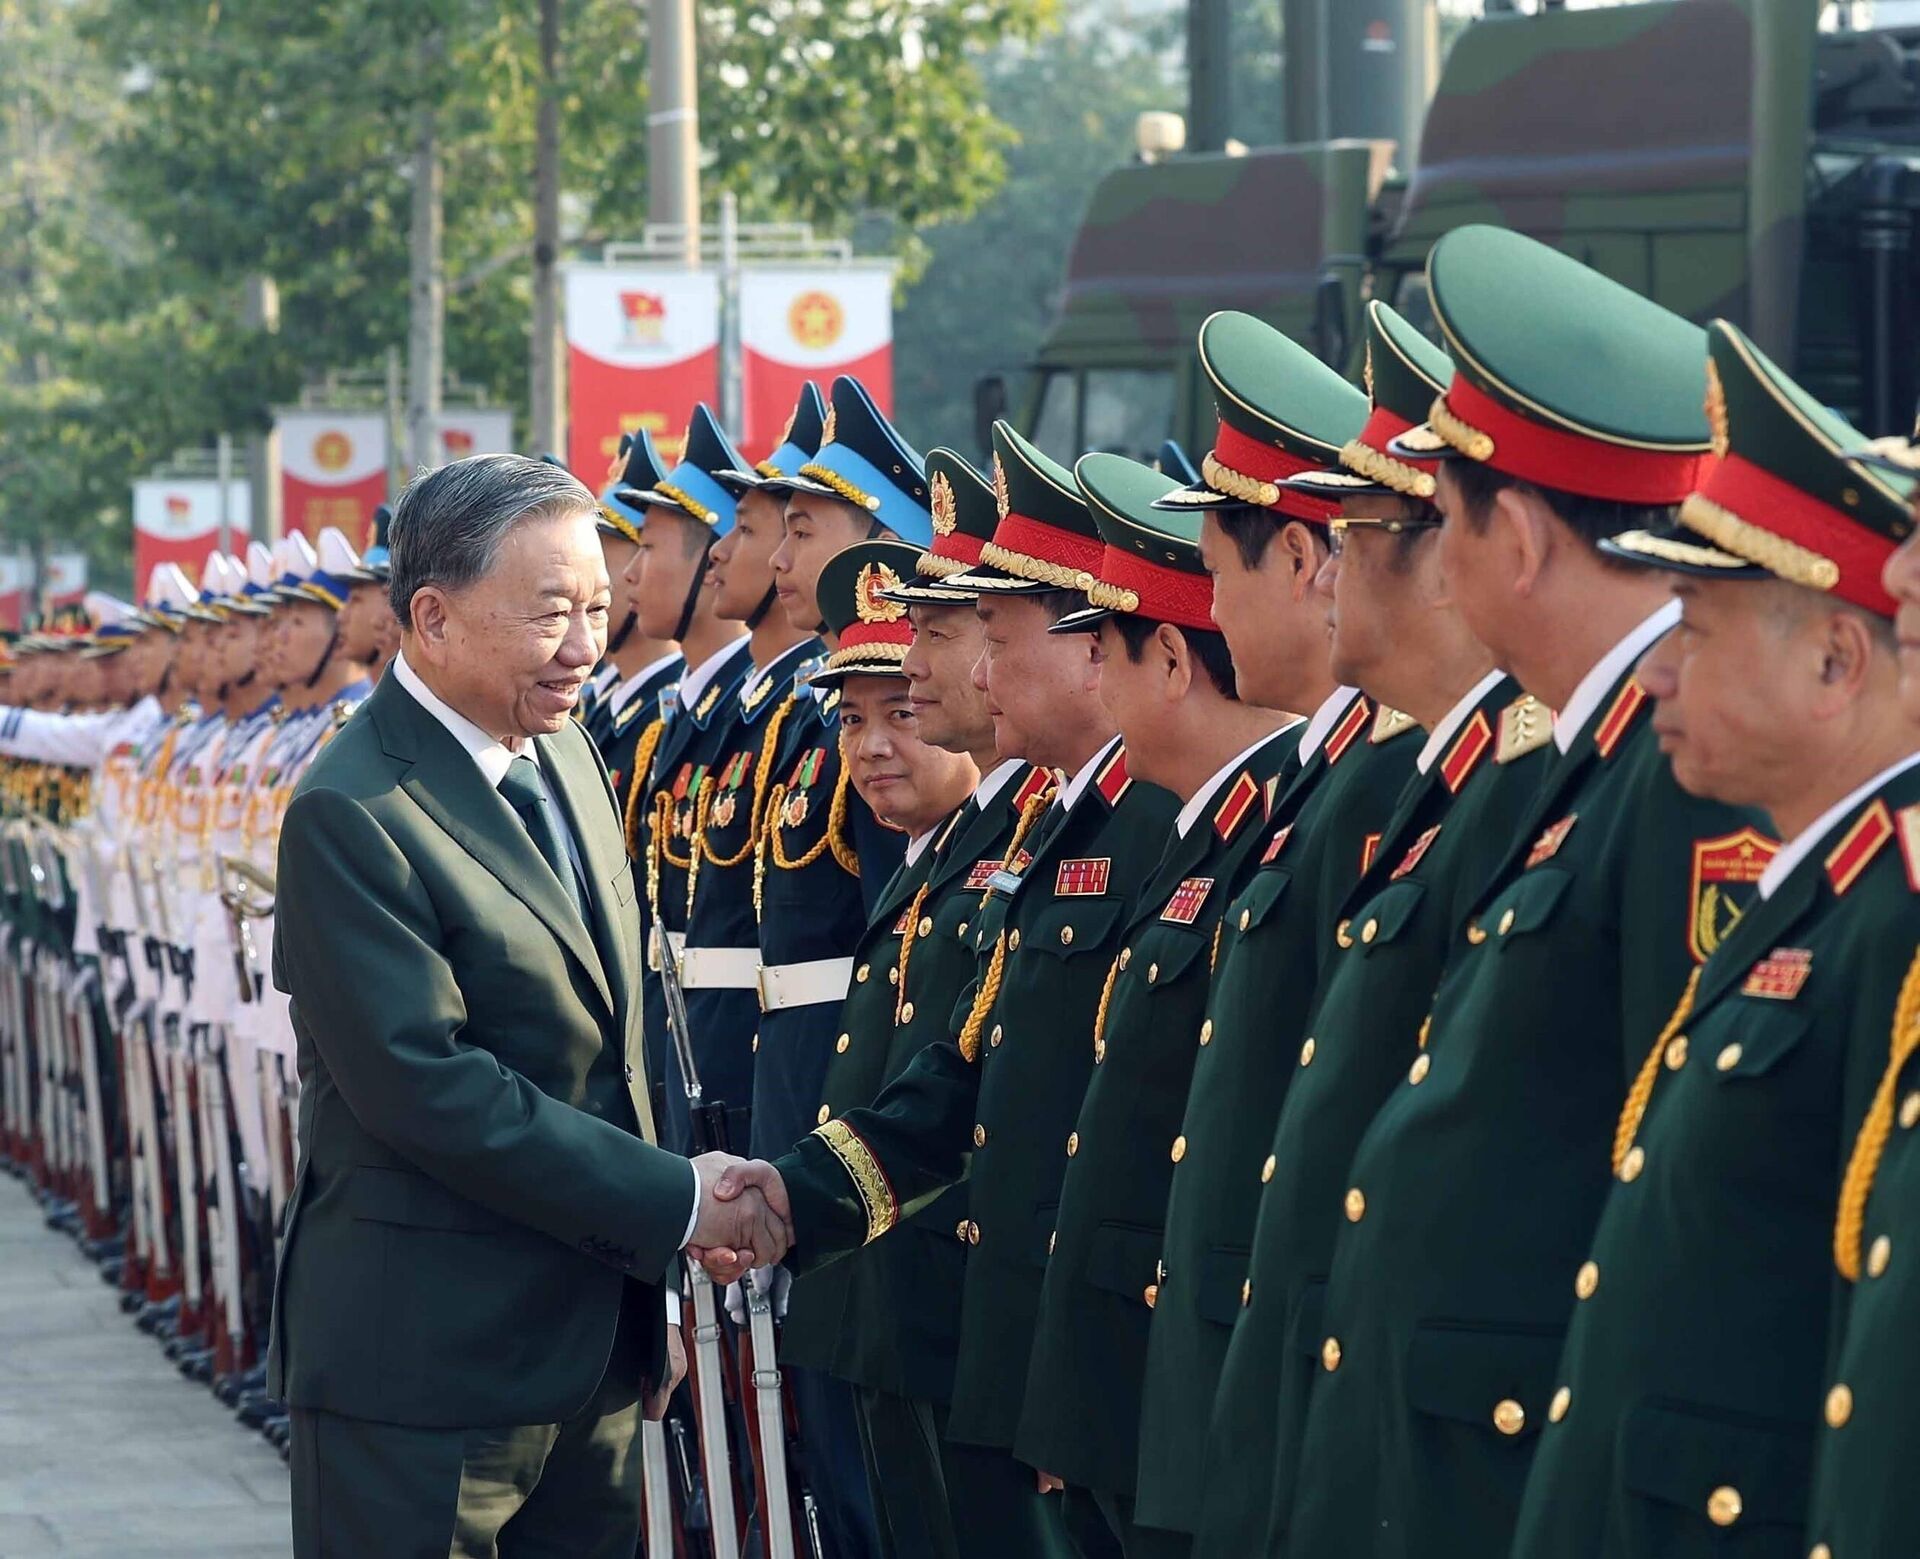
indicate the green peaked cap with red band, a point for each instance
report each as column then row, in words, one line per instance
column 1780, row 499
column 1282, row 411
column 1043, row 537
column 1405, row 371
column 1562, row 377
column 964, row 518
column 871, row 628
column 1150, row 559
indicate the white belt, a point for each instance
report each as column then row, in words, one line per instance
column 805, row 985
column 676, row 941
column 719, row 968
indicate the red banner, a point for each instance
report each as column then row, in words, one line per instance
column 179, row 522
column 799, row 323
column 15, row 573
column 333, row 470
column 481, row 431
column 65, row 583
column 643, row 346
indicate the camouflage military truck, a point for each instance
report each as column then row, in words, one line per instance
column 1722, row 156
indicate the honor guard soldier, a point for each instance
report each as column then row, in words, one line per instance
column 1357, row 974
column 873, row 1323
column 1167, row 677
column 1281, row 411
column 1861, row 1501
column 996, row 1103
column 367, row 625
column 1574, row 413
column 1686, row 1406
column 625, row 718
column 672, row 599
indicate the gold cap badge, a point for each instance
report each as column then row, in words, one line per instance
column 867, row 603
column 945, row 516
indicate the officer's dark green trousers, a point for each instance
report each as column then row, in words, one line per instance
column 365, row 1490
column 1102, row 1527
column 935, row 1499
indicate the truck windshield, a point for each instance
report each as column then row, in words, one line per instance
column 1125, row 411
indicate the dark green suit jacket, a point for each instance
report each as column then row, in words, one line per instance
column 1479, row 1184
column 1701, row 1322
column 475, row 1197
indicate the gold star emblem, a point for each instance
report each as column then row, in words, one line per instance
column 945, row 514
column 874, row 578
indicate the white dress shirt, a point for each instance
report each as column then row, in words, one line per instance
column 1606, row 671
column 1320, row 727
column 622, row 695
column 1453, row 720
column 696, row 681
column 493, row 758
column 1077, row 786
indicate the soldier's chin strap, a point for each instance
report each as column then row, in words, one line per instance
column 692, row 602
column 620, row 635
column 759, row 613
column 326, row 659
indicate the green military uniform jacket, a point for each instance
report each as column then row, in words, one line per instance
column 1687, row 1401
column 1384, row 945
column 888, row 1317
column 1082, row 1413
column 1476, row 1188
column 476, row 1196
column 997, row 1112
column 1277, row 932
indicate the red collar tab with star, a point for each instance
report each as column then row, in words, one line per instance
column 1855, row 853
column 1468, row 748
column 1341, row 737
column 1037, row 780
column 1113, row 781
column 1233, row 811
column 1613, row 726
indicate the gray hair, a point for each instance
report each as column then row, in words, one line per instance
column 450, row 523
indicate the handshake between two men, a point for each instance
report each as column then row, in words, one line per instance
column 745, row 1220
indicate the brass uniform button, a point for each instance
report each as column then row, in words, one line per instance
column 1820, row 1551
column 823, row 1115
column 1153, row 973
column 1066, row 936
column 1330, row 1355
column 1246, row 918
column 1267, row 1169
column 840, row 1045
column 1099, row 1051
column 1342, row 935
column 1246, row 1293
column 1151, row 1295
column 1879, row 1253
column 1839, row 1405
column 860, row 974
column 1013, row 942
column 1426, row 1030
column 1557, row 1408
column 1724, row 1505
column 995, row 1037
column 1729, row 1058
column 1073, row 1143
column 1509, row 1417
column 1179, row 1149
column 1356, row 1205
column 1370, row 930
column 973, row 1232
column 1476, row 934
column 1206, row 1032
column 926, row 925
column 1586, row 1280
column 961, row 929
column 893, row 975
column 906, row 1012
column 960, row 1231
column 1126, row 957
column 1910, row 1110
column 1506, row 922
column 1306, row 1052
column 1417, row 1073
column 1633, row 1163
column 979, row 1136
column 1676, row 1052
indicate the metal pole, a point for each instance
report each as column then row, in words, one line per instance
column 1209, row 75
column 223, row 468
column 673, row 122
column 426, row 347
column 546, row 391
column 262, row 456
column 730, row 394
column 396, row 454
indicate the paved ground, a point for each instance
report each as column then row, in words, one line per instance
column 104, row 1449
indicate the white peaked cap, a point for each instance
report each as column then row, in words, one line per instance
column 235, row 569
column 168, row 585
column 295, row 555
column 105, row 610
column 213, row 574
column 260, row 565
column 336, row 555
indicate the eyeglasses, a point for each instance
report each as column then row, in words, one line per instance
column 1337, row 529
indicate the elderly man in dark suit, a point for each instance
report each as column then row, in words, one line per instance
column 470, row 1320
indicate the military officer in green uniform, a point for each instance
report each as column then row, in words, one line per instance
column 1371, row 956
column 1281, row 411
column 1574, row 413
column 1861, row 1501
column 1166, row 675
column 997, row 1101
column 1687, row 1400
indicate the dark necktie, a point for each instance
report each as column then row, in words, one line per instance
column 522, row 791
